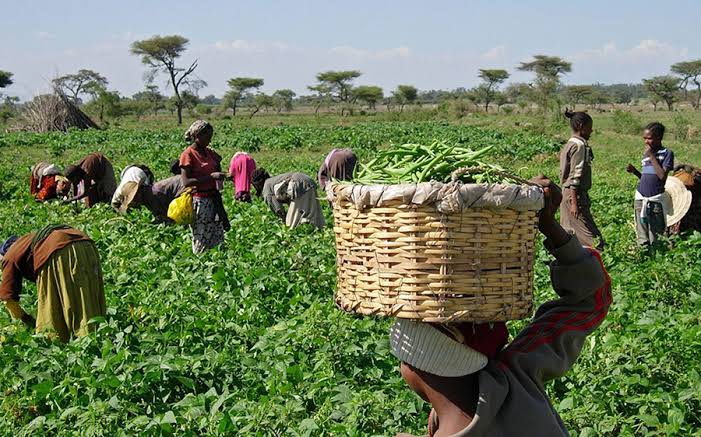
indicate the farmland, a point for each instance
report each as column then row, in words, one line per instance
column 247, row 340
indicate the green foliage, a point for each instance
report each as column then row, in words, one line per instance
column 625, row 122
column 5, row 79
column 247, row 340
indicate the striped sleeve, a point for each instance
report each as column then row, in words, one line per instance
column 548, row 347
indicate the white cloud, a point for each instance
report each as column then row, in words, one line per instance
column 349, row 51
column 643, row 50
column 45, row 35
column 652, row 47
column 397, row 52
column 494, row 52
column 242, row 45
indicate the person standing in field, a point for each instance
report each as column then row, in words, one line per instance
column 477, row 386
column 576, row 181
column 657, row 162
column 241, row 170
column 139, row 174
column 65, row 265
column 93, row 180
column 200, row 168
column 338, row 165
column 46, row 182
column 297, row 189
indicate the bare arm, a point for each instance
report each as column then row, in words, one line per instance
column 631, row 169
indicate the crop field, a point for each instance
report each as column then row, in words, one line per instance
column 247, row 340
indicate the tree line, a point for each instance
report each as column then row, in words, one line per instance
column 161, row 56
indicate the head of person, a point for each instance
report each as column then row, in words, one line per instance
column 75, row 174
column 199, row 133
column 653, row 134
column 7, row 244
column 581, row 123
column 63, row 186
column 260, row 175
column 436, row 358
column 175, row 167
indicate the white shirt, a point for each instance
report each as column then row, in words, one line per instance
column 129, row 174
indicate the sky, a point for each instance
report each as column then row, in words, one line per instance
column 431, row 44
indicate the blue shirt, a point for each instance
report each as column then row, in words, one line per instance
column 651, row 185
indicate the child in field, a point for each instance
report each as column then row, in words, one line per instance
column 657, row 162
column 575, row 177
column 478, row 389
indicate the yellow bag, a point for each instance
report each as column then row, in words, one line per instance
column 180, row 209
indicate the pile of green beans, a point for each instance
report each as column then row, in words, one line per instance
column 416, row 163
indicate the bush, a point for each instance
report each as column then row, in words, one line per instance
column 626, row 123
column 680, row 127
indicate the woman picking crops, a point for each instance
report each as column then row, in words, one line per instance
column 46, row 182
column 93, row 179
column 65, row 265
column 476, row 389
column 575, row 177
column 140, row 174
column 156, row 197
column 241, row 170
column 338, row 165
column 298, row 190
column 200, row 168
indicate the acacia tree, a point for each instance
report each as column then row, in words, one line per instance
column 664, row 87
column 282, row 99
column 548, row 70
column 160, row 53
column 369, row 94
column 492, row 80
column 73, row 85
column 689, row 72
column 261, row 101
column 405, row 95
column 323, row 95
column 240, row 88
column 338, row 85
column 5, row 79
column 578, row 93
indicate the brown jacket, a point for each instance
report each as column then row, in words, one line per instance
column 575, row 164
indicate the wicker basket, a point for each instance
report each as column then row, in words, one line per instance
column 412, row 259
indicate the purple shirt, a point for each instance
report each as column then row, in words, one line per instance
column 651, row 185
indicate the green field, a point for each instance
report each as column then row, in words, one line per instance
column 247, row 341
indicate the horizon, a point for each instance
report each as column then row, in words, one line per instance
column 392, row 43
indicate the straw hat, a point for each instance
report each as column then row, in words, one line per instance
column 129, row 194
column 679, row 200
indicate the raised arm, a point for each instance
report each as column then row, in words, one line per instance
column 548, row 347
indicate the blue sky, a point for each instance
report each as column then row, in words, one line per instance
column 430, row 44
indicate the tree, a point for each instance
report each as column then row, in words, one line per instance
column 548, row 70
column 282, row 100
column 106, row 103
column 189, row 101
column 240, row 88
column 323, row 95
column 664, row 87
column 152, row 97
column 369, row 94
column 83, row 82
column 5, row 79
column 405, row 95
column 339, row 86
column 492, row 80
column 518, row 94
column 578, row 93
column 260, row 101
column 195, row 85
column 160, row 53
column 689, row 72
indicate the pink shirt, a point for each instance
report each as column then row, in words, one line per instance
column 241, row 170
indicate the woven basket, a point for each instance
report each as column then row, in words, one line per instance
column 411, row 260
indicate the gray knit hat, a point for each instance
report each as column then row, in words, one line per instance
column 428, row 349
